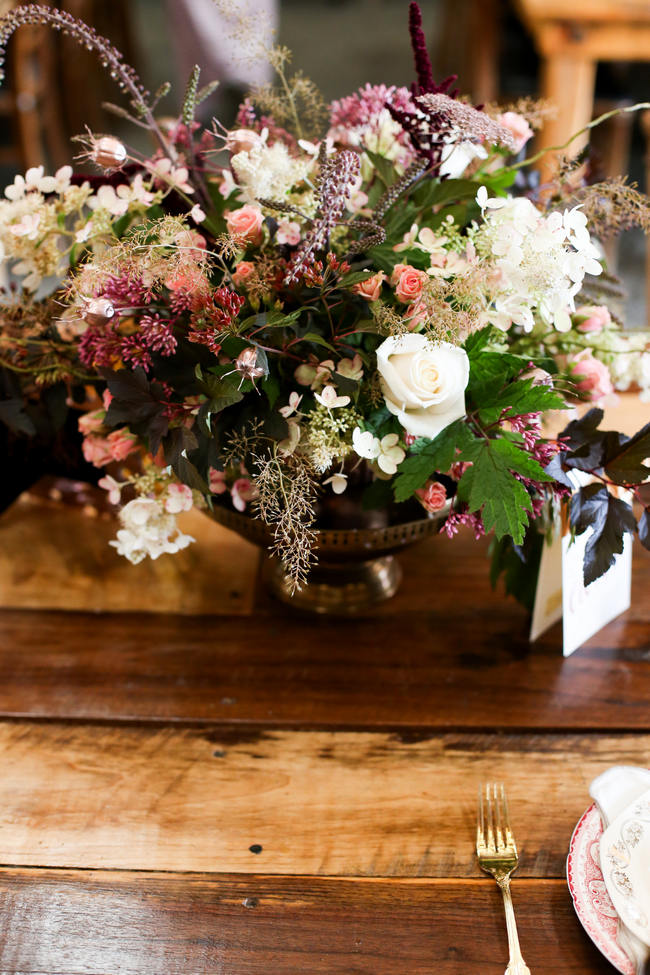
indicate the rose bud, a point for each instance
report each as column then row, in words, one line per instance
column 98, row 311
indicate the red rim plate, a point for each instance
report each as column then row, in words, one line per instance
column 590, row 898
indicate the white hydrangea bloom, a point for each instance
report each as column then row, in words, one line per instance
column 540, row 261
column 629, row 364
column 147, row 531
column 268, row 172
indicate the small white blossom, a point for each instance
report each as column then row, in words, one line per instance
column 330, row 398
column 268, row 172
column 390, row 454
column 294, row 403
column 27, row 226
column 289, row 444
column 365, row 444
column 338, row 481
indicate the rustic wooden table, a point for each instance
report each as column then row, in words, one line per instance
column 256, row 794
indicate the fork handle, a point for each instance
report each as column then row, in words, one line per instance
column 516, row 965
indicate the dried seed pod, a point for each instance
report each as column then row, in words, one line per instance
column 98, row 311
column 107, row 152
column 246, row 365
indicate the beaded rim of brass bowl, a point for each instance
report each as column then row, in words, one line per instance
column 356, row 567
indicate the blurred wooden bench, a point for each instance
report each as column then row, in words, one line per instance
column 571, row 39
column 54, row 87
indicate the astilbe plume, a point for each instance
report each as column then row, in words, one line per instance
column 338, row 174
column 362, row 107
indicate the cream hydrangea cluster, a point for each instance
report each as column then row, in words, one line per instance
column 39, row 220
column 539, row 261
column 268, row 172
column 149, row 526
column 43, row 217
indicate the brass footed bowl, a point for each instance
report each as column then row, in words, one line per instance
column 356, row 567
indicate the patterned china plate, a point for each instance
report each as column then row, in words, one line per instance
column 590, row 898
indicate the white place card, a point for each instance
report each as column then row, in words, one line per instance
column 561, row 593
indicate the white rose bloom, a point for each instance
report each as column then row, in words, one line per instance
column 423, row 383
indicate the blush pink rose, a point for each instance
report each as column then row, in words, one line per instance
column 189, row 281
column 591, row 376
column 242, row 272
column 246, row 223
column 370, row 289
column 518, row 128
column 408, row 282
column 416, row 315
column 107, row 398
column 97, row 451
column 432, row 496
column 91, row 422
column 121, row 443
column 592, row 318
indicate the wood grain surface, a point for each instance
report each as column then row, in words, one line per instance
column 435, row 666
column 248, row 792
column 330, row 803
column 93, row 923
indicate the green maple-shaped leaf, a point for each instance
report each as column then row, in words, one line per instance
column 490, row 485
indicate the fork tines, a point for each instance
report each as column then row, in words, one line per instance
column 493, row 833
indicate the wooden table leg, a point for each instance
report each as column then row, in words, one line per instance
column 569, row 83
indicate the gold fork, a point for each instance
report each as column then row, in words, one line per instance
column 497, row 855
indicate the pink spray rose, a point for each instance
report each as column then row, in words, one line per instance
column 432, row 496
column 592, row 318
column 408, row 282
column 121, row 443
column 288, row 232
column 97, row 451
column 91, row 422
column 246, row 223
column 242, row 272
column 591, row 376
column 518, row 128
column 370, row 289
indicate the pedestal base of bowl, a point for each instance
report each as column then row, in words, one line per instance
column 337, row 589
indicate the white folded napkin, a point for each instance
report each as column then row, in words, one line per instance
column 614, row 792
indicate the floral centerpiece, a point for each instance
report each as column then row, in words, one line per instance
column 367, row 299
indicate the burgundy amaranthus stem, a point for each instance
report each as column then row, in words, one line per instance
column 423, row 68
